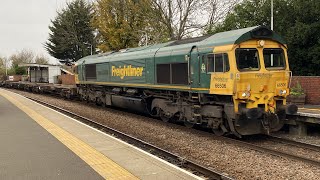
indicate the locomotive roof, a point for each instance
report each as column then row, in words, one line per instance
column 185, row 45
column 241, row 35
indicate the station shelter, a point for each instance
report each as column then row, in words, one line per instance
column 43, row 73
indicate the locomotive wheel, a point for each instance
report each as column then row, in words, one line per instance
column 163, row 116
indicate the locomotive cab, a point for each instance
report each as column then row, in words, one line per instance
column 258, row 78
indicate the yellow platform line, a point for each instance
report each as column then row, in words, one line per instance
column 100, row 163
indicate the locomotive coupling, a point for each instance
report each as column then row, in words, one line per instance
column 254, row 113
column 291, row 109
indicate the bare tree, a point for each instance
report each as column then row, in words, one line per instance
column 183, row 18
column 219, row 9
column 41, row 59
column 23, row 56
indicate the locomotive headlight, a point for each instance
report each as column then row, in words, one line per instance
column 261, row 43
column 283, row 92
column 245, row 94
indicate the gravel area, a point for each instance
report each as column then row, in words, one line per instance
column 287, row 148
column 199, row 146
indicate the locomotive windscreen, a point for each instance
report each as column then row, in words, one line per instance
column 274, row 58
column 247, row 59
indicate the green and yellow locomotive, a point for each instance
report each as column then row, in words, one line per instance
column 233, row 82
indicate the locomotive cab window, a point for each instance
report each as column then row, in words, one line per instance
column 274, row 58
column 247, row 59
column 217, row 62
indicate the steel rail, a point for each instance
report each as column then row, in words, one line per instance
column 271, row 151
column 194, row 167
column 294, row 143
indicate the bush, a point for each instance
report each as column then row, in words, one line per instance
column 297, row 90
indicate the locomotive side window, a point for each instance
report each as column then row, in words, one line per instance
column 217, row 62
column 247, row 59
column 274, row 58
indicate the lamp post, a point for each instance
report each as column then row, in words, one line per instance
column 272, row 61
column 271, row 14
column 5, row 65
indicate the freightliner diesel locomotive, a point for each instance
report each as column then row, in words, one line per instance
column 233, row 82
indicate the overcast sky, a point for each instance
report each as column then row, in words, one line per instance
column 24, row 24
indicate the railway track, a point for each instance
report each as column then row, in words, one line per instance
column 207, row 173
column 295, row 143
column 277, row 149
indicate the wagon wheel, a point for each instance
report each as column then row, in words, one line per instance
column 163, row 116
column 188, row 124
column 220, row 131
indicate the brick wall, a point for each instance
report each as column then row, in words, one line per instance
column 311, row 86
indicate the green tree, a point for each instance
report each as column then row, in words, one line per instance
column 296, row 20
column 3, row 61
column 121, row 23
column 72, row 36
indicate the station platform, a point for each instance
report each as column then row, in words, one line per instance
column 309, row 111
column 40, row 143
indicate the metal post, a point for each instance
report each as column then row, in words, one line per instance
column 271, row 14
column 272, row 29
column 5, row 61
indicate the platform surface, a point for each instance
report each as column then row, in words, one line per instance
column 310, row 111
column 44, row 144
column 29, row 152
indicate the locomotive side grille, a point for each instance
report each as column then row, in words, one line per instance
column 163, row 73
column 90, row 72
column 175, row 73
